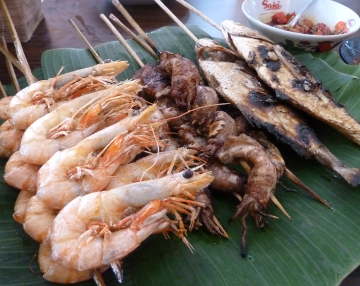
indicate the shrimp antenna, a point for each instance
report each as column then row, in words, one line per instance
column 86, row 41
column 138, row 39
column 18, row 47
column 10, row 68
column 2, row 90
column 134, row 24
column 122, row 40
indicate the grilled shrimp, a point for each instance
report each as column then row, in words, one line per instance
column 10, row 139
column 21, row 205
column 77, row 119
column 4, row 107
column 261, row 182
column 89, row 231
column 20, row 174
column 79, row 169
column 43, row 96
column 39, row 216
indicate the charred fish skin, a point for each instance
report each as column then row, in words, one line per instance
column 264, row 111
column 291, row 81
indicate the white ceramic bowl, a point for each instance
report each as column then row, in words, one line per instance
column 326, row 11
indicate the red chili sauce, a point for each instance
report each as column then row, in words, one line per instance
column 306, row 25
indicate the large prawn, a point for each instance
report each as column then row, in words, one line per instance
column 94, row 230
column 77, row 119
column 40, row 97
column 89, row 165
column 38, row 216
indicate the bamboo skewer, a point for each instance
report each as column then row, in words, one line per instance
column 199, row 13
column 138, row 39
column 18, row 47
column 10, row 68
column 133, row 23
column 176, row 20
column 9, row 56
column 2, row 90
column 291, row 176
column 122, row 40
column 88, row 44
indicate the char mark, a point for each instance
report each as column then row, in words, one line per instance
column 273, row 65
column 261, row 100
column 303, row 84
column 297, row 146
column 280, row 95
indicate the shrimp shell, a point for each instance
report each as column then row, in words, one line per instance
column 38, row 219
column 21, row 206
column 23, row 109
column 54, row 185
column 57, row 273
column 20, row 174
column 152, row 167
column 10, row 139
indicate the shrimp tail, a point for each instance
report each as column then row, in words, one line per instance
column 206, row 216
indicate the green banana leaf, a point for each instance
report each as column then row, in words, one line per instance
column 318, row 246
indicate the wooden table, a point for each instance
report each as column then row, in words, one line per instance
column 56, row 32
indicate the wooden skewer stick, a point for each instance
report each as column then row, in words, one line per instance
column 133, row 23
column 18, row 47
column 88, row 44
column 10, row 68
column 176, row 19
column 122, row 40
column 293, row 178
column 140, row 41
column 2, row 90
column 9, row 56
column 280, row 206
column 199, row 13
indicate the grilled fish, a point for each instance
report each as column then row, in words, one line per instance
column 291, row 81
column 234, row 81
